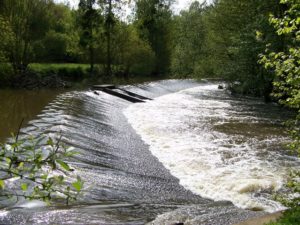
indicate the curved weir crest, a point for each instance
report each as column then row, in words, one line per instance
column 216, row 145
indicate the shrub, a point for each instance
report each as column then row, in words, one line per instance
column 6, row 73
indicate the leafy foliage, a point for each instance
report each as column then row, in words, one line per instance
column 131, row 52
column 27, row 21
column 290, row 217
column 6, row 37
column 89, row 20
column 31, row 170
column 219, row 40
column 286, row 66
column 153, row 20
column 189, row 35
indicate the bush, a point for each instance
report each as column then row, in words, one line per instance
column 6, row 73
column 66, row 71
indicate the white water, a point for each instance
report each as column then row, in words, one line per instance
column 179, row 129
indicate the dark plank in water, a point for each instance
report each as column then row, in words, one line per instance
column 123, row 96
column 106, row 86
column 134, row 94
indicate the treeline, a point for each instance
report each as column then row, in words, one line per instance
column 96, row 33
column 223, row 39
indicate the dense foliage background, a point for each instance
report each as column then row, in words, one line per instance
column 223, row 39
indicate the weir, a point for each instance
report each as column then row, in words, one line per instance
column 156, row 161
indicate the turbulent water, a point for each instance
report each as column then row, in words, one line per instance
column 219, row 147
column 189, row 146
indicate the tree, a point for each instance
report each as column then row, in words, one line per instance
column 131, row 52
column 109, row 7
column 286, row 67
column 6, row 37
column 28, row 21
column 286, row 64
column 153, row 19
column 231, row 46
column 189, row 35
column 89, row 21
column 61, row 41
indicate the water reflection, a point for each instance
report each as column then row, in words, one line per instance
column 16, row 105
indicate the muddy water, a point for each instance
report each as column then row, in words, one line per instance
column 18, row 105
column 194, row 154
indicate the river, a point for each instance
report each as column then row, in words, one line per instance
column 194, row 154
column 21, row 105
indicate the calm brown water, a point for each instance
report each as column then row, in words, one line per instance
column 16, row 105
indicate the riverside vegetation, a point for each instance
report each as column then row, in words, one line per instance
column 253, row 45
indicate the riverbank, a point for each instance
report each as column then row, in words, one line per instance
column 65, row 75
column 38, row 76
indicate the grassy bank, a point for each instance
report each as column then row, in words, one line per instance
column 289, row 217
column 66, row 71
column 72, row 71
column 57, row 75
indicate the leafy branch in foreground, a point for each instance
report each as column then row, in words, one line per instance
column 33, row 171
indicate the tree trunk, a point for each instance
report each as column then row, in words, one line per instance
column 91, row 49
column 109, row 25
column 91, row 60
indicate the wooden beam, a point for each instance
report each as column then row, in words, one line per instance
column 120, row 95
column 106, row 86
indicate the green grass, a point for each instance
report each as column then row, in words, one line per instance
column 67, row 71
column 78, row 72
column 40, row 67
column 290, row 217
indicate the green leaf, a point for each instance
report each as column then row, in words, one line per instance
column 78, row 185
column 8, row 160
column 2, row 184
column 44, row 176
column 50, row 142
column 24, row 186
column 21, row 165
column 63, row 165
column 71, row 153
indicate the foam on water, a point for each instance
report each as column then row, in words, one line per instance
column 179, row 129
